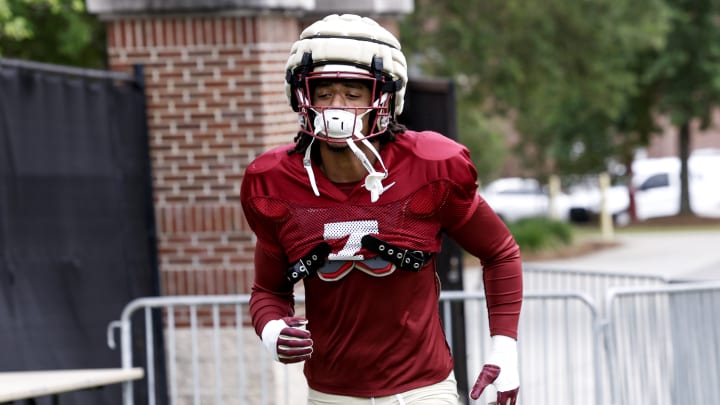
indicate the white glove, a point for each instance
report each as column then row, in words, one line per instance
column 500, row 370
column 287, row 339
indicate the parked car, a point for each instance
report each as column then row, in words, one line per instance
column 585, row 202
column 515, row 198
column 656, row 185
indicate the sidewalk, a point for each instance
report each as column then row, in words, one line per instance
column 682, row 255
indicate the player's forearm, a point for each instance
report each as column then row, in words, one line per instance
column 504, row 291
column 272, row 294
column 486, row 237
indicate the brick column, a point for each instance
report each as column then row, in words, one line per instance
column 215, row 100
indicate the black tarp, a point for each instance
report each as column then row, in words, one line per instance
column 76, row 224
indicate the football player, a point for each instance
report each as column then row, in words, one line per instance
column 355, row 209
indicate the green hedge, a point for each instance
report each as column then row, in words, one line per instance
column 537, row 234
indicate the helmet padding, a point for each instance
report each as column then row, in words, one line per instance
column 349, row 43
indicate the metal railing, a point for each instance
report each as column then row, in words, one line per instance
column 593, row 283
column 559, row 348
column 651, row 342
column 663, row 343
column 213, row 357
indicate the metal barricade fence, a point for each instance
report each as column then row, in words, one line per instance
column 212, row 360
column 663, row 344
column 212, row 355
column 647, row 344
column 559, row 347
column 595, row 284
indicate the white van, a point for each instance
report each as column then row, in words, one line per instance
column 656, row 182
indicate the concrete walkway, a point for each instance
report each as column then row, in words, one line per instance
column 682, row 255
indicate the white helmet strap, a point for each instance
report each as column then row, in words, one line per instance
column 307, row 164
column 373, row 181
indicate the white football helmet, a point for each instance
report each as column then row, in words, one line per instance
column 347, row 47
column 353, row 48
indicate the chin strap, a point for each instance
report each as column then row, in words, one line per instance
column 373, row 181
column 307, row 163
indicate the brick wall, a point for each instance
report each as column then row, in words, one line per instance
column 215, row 100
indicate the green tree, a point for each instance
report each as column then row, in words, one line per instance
column 51, row 31
column 561, row 72
column 682, row 80
column 485, row 137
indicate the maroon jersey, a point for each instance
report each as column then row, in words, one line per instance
column 376, row 329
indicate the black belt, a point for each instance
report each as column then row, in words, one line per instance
column 308, row 264
column 405, row 259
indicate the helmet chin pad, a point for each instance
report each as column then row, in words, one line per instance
column 337, row 124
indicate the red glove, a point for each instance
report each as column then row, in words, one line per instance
column 501, row 370
column 288, row 340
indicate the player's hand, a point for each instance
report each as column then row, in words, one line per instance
column 500, row 370
column 287, row 340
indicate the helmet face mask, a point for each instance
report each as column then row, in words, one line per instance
column 339, row 51
column 360, row 121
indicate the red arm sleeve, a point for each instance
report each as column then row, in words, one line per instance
column 485, row 236
column 272, row 294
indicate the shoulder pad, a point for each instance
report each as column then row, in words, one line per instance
column 268, row 160
column 431, row 145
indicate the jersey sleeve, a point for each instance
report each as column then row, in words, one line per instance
column 272, row 294
column 470, row 221
column 486, row 237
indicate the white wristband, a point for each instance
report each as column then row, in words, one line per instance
column 270, row 334
column 503, row 353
